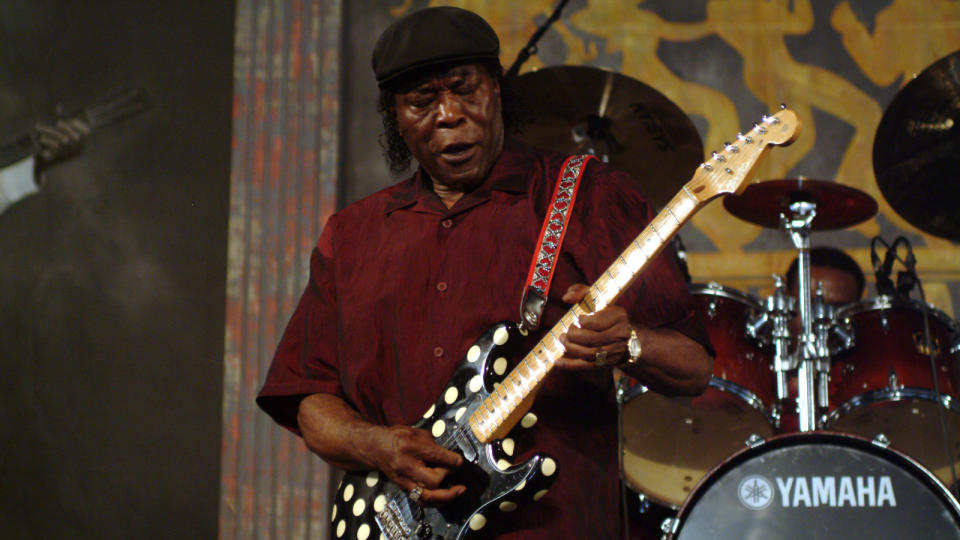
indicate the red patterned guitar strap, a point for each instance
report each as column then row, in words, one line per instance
column 551, row 238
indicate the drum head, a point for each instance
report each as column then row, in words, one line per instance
column 819, row 486
column 671, row 443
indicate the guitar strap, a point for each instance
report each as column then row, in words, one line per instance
column 551, row 239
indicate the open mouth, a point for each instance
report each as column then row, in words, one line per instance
column 457, row 152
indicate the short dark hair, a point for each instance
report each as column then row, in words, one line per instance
column 831, row 258
column 395, row 150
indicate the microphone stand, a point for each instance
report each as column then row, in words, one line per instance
column 531, row 47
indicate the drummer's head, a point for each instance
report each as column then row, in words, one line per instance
column 842, row 279
column 436, row 45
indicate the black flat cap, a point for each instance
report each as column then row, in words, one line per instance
column 430, row 37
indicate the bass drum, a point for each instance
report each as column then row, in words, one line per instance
column 670, row 443
column 818, row 485
column 884, row 384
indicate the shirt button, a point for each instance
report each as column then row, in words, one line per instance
column 438, row 351
column 442, row 286
column 447, row 223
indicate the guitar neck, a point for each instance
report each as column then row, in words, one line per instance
column 723, row 174
column 500, row 411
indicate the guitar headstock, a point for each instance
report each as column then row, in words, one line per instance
column 724, row 173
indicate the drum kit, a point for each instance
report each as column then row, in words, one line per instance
column 820, row 420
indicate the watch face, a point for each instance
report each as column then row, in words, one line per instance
column 633, row 347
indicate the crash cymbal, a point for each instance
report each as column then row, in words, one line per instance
column 916, row 153
column 583, row 109
column 838, row 206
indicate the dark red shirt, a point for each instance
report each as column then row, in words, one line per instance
column 401, row 286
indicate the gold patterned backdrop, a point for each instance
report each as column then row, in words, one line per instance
column 838, row 64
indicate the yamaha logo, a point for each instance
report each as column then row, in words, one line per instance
column 755, row 492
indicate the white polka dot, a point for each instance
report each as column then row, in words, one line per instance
column 359, row 507
column 333, row 517
column 373, row 478
column 348, row 492
column 379, row 503
column 520, row 486
column 438, row 428
column 473, row 354
column 460, row 412
column 478, row 522
column 539, row 495
column 528, row 420
column 507, row 506
column 429, row 412
column 508, row 446
column 363, row 532
column 476, row 384
column 500, row 366
column 548, row 467
column 503, row 464
column 341, row 528
column 451, row 395
column 500, row 336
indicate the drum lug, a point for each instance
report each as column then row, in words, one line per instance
column 669, row 526
column 643, row 503
column 881, row 440
column 893, row 382
column 753, row 440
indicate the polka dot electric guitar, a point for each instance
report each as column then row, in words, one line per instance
column 482, row 402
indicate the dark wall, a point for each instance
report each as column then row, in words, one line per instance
column 112, row 287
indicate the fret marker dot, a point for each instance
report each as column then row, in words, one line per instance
column 438, row 428
column 500, row 336
column 507, row 506
column 548, row 467
column 508, row 446
column 473, row 354
column 500, row 366
column 528, row 420
column 451, row 395
column 476, row 384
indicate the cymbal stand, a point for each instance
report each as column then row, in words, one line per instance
column 797, row 226
column 772, row 328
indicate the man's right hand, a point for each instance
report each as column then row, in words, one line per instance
column 410, row 457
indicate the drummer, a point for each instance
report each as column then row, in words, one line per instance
column 833, row 270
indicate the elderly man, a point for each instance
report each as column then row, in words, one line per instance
column 403, row 282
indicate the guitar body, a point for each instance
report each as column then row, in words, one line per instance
column 368, row 504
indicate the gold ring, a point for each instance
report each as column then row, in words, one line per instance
column 600, row 358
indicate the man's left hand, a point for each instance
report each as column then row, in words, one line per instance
column 601, row 339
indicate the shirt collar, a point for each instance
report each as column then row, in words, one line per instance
column 511, row 173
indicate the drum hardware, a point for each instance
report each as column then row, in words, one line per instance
column 753, row 440
column 774, row 321
column 880, row 440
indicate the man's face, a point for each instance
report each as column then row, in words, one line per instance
column 452, row 124
column 839, row 287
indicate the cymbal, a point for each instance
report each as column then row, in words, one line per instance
column 838, row 206
column 916, row 152
column 583, row 109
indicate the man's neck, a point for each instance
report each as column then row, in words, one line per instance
column 448, row 195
